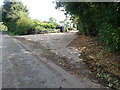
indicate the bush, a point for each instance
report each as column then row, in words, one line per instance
column 24, row 24
column 46, row 25
column 41, row 27
column 96, row 19
column 110, row 36
column 70, row 28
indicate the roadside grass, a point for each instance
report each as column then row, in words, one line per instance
column 12, row 34
column 103, row 63
column 3, row 30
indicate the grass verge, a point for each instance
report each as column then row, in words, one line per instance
column 12, row 34
column 103, row 63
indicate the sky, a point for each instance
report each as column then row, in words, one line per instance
column 42, row 9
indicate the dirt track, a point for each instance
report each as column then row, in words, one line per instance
column 22, row 67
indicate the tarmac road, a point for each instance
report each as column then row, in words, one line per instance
column 22, row 69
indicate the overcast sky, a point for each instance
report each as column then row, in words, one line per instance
column 42, row 9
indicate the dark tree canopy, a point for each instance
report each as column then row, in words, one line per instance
column 96, row 19
column 11, row 13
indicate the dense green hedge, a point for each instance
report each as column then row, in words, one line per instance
column 110, row 36
column 96, row 19
column 47, row 25
column 23, row 24
column 42, row 25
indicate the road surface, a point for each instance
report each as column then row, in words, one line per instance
column 22, row 69
column 0, row 60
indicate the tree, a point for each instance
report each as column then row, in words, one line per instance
column 36, row 21
column 66, row 23
column 11, row 13
column 52, row 20
column 96, row 19
column 2, row 27
column 24, row 24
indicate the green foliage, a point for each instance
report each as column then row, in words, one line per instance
column 12, row 12
column 52, row 20
column 47, row 25
column 66, row 23
column 36, row 21
column 96, row 19
column 2, row 27
column 23, row 25
column 110, row 36
column 70, row 28
column 44, row 25
column 41, row 27
column 15, row 17
column 109, row 79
